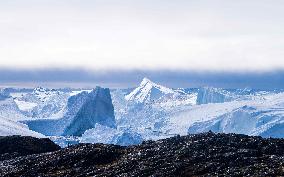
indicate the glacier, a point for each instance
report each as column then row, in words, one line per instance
column 148, row 112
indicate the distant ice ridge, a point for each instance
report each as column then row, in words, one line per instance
column 213, row 95
column 41, row 102
column 207, row 95
column 82, row 112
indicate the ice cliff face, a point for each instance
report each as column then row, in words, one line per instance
column 97, row 108
column 82, row 112
column 212, row 95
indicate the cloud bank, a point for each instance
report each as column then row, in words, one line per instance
column 126, row 79
column 187, row 35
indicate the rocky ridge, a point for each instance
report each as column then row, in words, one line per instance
column 205, row 154
column 15, row 146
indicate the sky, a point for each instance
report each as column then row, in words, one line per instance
column 86, row 39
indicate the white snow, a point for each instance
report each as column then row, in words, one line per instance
column 9, row 110
column 75, row 92
column 148, row 91
column 254, row 117
column 10, row 127
column 25, row 105
column 41, row 103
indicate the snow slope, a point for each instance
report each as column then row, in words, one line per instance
column 9, row 110
column 9, row 117
column 9, row 127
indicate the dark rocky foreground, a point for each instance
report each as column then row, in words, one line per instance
column 14, row 146
column 205, row 154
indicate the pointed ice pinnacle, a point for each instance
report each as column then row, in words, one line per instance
column 148, row 91
column 145, row 81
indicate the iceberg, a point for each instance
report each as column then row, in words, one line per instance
column 108, row 135
column 148, row 91
column 212, row 95
column 82, row 112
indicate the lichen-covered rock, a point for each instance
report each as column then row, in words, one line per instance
column 206, row 154
column 13, row 146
